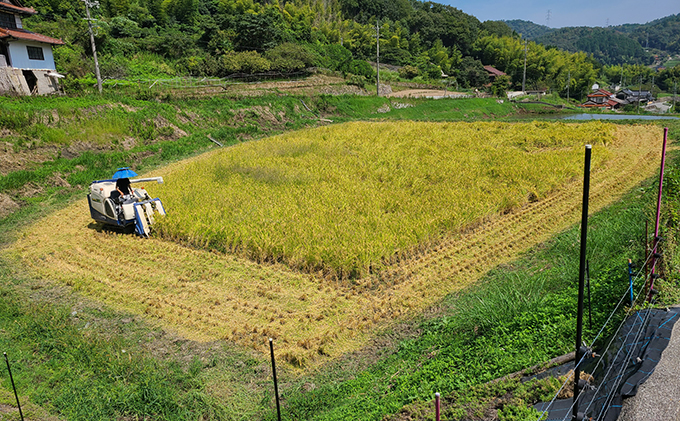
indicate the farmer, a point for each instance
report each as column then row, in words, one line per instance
column 123, row 186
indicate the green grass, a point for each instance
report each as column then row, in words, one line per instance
column 81, row 373
column 520, row 315
column 62, row 366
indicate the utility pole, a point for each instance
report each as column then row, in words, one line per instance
column 377, row 60
column 652, row 90
column 524, row 76
column 88, row 4
column 639, row 94
column 568, row 84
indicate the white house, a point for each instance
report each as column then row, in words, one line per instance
column 26, row 60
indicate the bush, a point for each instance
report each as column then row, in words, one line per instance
column 289, row 57
column 114, row 67
column 409, row 72
column 356, row 80
column 361, row 68
column 242, row 62
column 334, row 57
column 69, row 60
column 500, row 86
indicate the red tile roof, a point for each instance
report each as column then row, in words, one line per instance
column 17, row 8
column 600, row 92
column 494, row 71
column 28, row 36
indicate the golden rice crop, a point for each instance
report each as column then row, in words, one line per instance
column 347, row 198
column 216, row 296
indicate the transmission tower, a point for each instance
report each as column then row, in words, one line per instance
column 547, row 18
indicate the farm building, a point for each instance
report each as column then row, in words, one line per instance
column 493, row 72
column 26, row 60
column 633, row 97
column 602, row 99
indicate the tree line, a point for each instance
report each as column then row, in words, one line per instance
column 219, row 38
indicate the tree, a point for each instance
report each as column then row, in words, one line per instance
column 258, row 32
column 471, row 73
column 500, row 86
column 289, row 57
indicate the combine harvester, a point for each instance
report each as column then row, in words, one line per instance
column 116, row 203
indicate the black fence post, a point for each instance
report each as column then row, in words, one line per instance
column 276, row 385
column 581, row 279
column 590, row 308
column 13, row 387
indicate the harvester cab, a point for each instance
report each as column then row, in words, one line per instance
column 116, row 202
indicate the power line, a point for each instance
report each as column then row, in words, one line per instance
column 628, row 313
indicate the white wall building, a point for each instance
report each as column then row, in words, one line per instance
column 26, row 60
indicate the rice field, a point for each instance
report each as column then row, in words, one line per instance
column 205, row 294
column 349, row 200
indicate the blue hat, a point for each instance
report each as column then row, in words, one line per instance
column 124, row 172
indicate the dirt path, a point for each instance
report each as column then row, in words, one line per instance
column 207, row 296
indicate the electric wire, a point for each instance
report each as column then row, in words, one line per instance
column 625, row 294
column 601, row 359
column 611, row 315
column 607, row 349
column 611, row 394
column 619, row 378
column 558, row 392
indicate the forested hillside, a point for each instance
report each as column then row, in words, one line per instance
column 629, row 43
column 606, row 45
column 428, row 41
column 528, row 29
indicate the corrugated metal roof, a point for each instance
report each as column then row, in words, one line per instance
column 28, row 36
column 494, row 71
column 17, row 8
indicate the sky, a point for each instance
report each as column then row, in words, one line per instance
column 570, row 12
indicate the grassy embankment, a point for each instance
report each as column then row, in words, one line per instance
column 206, row 378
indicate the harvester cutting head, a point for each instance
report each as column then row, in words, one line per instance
column 117, row 203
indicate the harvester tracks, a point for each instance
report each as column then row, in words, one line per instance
column 209, row 296
column 459, row 260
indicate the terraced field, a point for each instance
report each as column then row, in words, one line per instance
column 208, row 295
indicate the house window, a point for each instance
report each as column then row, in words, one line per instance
column 35, row 53
column 7, row 21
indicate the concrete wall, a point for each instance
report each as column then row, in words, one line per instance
column 12, row 81
column 19, row 55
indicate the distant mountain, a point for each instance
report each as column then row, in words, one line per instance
column 662, row 34
column 527, row 29
column 605, row 44
column 629, row 43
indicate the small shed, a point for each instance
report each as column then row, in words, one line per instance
column 26, row 60
column 493, row 72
